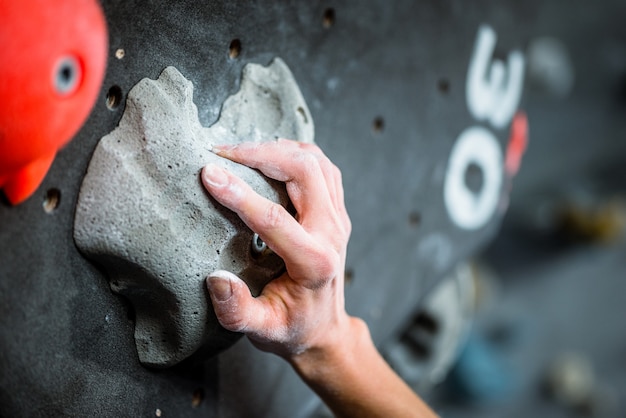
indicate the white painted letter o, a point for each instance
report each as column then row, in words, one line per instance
column 467, row 209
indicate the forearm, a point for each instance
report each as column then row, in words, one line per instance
column 352, row 378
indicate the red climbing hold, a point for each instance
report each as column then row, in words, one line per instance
column 52, row 62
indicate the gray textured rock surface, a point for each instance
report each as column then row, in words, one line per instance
column 144, row 216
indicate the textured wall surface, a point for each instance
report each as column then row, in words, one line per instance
column 385, row 83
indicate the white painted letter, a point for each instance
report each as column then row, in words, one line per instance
column 493, row 93
column 468, row 209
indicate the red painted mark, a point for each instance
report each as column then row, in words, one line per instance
column 52, row 62
column 517, row 143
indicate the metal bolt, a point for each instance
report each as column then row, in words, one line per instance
column 258, row 245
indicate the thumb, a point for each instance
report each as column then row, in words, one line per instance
column 235, row 307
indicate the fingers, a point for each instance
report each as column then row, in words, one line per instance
column 270, row 220
column 263, row 319
column 259, row 154
column 312, row 243
column 280, row 231
column 296, row 309
column 301, row 166
column 234, row 306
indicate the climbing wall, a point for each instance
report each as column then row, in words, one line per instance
column 402, row 96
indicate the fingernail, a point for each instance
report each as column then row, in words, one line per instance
column 220, row 288
column 221, row 148
column 214, row 175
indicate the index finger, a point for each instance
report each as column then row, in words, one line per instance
column 296, row 164
column 282, row 233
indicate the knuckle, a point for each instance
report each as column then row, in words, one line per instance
column 326, row 165
column 341, row 229
column 231, row 320
column 310, row 147
column 309, row 162
column 274, row 216
column 327, row 262
column 232, row 194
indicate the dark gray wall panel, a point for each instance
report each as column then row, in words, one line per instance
column 66, row 341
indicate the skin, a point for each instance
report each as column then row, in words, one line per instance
column 301, row 315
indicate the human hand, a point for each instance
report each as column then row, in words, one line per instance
column 304, row 307
column 301, row 315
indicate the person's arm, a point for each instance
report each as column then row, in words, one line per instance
column 300, row 316
column 354, row 380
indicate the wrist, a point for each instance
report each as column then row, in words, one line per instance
column 335, row 353
column 351, row 377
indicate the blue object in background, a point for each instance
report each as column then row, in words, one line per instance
column 480, row 374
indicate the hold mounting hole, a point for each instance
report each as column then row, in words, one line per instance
column 114, row 97
column 197, row 397
column 329, row 18
column 443, row 85
column 52, row 200
column 415, row 218
column 378, row 125
column 348, row 276
column 234, row 49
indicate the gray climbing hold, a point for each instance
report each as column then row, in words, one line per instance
column 144, row 216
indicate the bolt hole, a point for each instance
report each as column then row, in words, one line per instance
column 349, row 276
column 52, row 200
column 119, row 54
column 114, row 97
column 329, row 18
column 303, row 114
column 378, row 125
column 415, row 218
column 197, row 397
column 443, row 85
column 235, row 49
